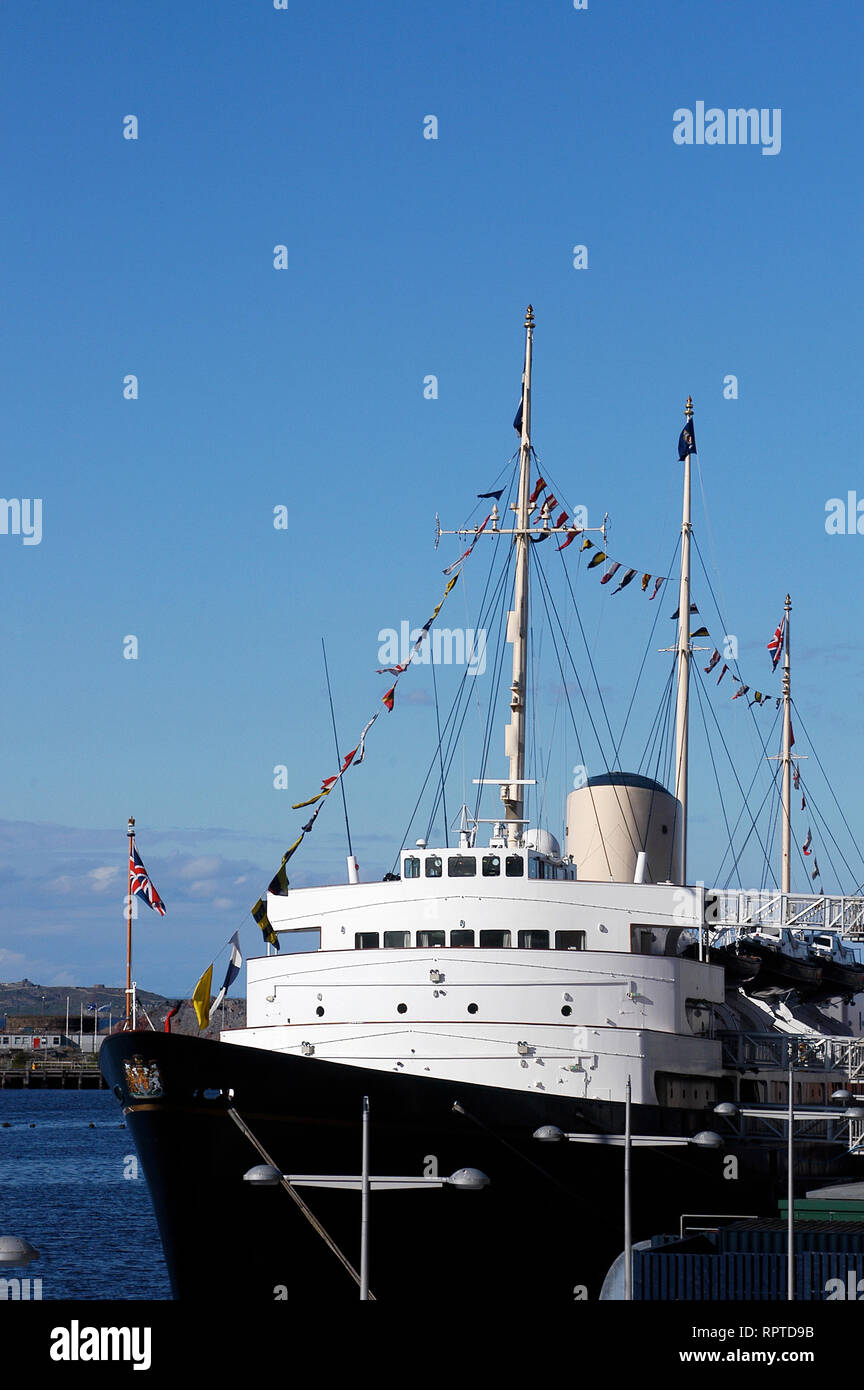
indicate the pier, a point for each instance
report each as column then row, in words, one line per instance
column 51, row 1072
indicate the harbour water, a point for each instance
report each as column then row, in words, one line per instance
column 70, row 1183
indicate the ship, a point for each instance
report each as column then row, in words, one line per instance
column 481, row 996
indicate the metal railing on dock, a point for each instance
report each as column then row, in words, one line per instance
column 816, row 912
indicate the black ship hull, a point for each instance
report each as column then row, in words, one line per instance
column 550, row 1223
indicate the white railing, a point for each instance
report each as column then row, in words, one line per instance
column 817, row 912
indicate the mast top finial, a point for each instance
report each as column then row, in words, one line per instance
column 788, row 603
column 688, row 409
column 529, row 316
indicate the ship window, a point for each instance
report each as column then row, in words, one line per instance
column 396, row 938
column 534, row 940
column 433, row 866
column 491, row 866
column 366, row 940
column 494, row 938
column 462, row 866
column 461, row 938
column 570, row 940
column 430, row 938
column 533, row 869
column 515, row 866
column 5, row 1042
column 412, row 867
column 55, row 1042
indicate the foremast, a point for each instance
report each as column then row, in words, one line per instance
column 512, row 793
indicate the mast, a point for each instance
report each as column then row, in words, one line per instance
column 683, row 701
column 786, row 866
column 517, row 620
column 130, row 831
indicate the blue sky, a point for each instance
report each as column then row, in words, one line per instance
column 406, row 257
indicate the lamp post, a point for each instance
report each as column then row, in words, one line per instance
column 728, row 1110
column 266, row 1175
column 705, row 1139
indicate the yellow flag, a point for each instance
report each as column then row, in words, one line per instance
column 201, row 997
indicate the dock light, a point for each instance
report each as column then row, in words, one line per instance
column 15, row 1251
column 707, row 1139
column 470, row 1179
column 727, row 1108
column 841, row 1095
column 263, row 1175
column 548, row 1133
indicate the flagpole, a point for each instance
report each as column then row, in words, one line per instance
column 682, row 709
column 130, row 831
column 517, row 621
column 787, row 759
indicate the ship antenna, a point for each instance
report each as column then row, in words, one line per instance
column 517, row 626
column 682, row 708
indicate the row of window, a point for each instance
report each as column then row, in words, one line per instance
column 460, row 936
column 465, row 866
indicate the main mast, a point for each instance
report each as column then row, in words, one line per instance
column 517, row 621
column 683, row 702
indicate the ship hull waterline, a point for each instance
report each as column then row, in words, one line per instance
column 550, row 1223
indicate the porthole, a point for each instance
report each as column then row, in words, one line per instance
column 566, row 1010
column 472, row 1008
column 320, row 1011
column 401, row 1008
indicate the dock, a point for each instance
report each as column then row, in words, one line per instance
column 51, row 1073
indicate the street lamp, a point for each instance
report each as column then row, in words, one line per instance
column 15, row 1251
column 705, row 1139
column 266, row 1175
column 728, row 1110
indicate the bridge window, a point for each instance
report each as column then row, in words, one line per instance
column 515, row 866
column 433, row 866
column 412, row 867
column 461, row 938
column 534, row 940
column 462, row 866
column 366, row 940
column 491, row 866
column 495, row 938
column 396, row 939
column 570, row 940
column 430, row 938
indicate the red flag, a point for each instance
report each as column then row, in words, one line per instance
column 571, row 536
column 562, row 518
column 538, row 488
column 389, row 698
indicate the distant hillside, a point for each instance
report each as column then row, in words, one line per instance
column 25, row 997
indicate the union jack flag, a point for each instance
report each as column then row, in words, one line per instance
column 140, row 883
column 775, row 646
